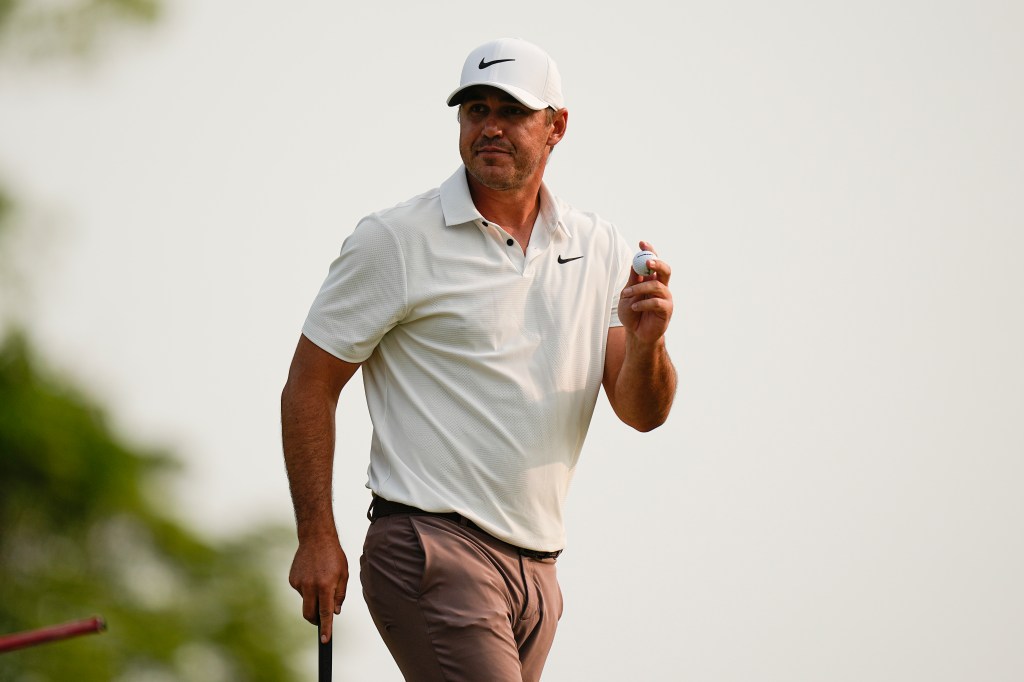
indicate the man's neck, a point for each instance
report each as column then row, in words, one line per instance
column 515, row 210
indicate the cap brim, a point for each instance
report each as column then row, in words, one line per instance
column 523, row 97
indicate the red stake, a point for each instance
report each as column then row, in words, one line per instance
column 20, row 640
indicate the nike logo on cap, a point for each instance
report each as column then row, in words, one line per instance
column 484, row 64
column 566, row 260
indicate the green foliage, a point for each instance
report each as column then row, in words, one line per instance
column 5, row 204
column 79, row 536
column 80, row 531
column 38, row 29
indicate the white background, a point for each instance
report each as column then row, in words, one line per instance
column 838, row 187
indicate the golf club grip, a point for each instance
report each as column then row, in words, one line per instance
column 20, row 640
column 325, row 657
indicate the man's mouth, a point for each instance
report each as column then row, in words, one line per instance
column 492, row 149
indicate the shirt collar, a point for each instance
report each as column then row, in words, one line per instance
column 458, row 207
column 456, row 201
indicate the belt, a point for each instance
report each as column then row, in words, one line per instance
column 380, row 507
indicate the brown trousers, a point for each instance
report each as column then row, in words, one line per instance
column 454, row 604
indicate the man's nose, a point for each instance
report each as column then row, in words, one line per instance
column 492, row 125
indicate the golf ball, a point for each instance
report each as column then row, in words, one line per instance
column 640, row 262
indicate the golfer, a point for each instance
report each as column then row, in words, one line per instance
column 486, row 314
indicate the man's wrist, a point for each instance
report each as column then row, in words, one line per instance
column 317, row 531
column 639, row 349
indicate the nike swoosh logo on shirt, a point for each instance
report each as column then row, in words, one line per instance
column 566, row 260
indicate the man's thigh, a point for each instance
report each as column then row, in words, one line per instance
column 450, row 602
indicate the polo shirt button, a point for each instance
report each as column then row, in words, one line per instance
column 510, row 242
column 486, row 224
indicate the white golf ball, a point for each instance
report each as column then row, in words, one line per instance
column 640, row 262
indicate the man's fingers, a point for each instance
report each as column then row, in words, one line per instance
column 651, row 288
column 653, row 305
column 326, row 618
column 329, row 601
column 661, row 269
column 339, row 599
column 309, row 606
column 648, row 297
column 319, row 604
column 320, row 574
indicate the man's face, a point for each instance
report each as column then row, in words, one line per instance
column 503, row 143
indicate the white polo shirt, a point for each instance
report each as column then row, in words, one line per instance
column 481, row 364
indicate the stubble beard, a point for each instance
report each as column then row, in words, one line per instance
column 498, row 176
column 496, row 180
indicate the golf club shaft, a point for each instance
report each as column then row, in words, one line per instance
column 325, row 657
column 20, row 640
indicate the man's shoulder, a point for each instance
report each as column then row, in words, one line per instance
column 412, row 216
column 423, row 205
column 582, row 220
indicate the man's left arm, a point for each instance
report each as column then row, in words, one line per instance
column 639, row 377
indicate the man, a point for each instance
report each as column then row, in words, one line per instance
column 485, row 315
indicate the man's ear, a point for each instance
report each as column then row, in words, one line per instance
column 559, row 122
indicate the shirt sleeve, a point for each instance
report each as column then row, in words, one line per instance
column 624, row 262
column 364, row 295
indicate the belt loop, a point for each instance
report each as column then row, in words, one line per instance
column 526, row 584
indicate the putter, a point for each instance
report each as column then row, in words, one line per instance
column 325, row 657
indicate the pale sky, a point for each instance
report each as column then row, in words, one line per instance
column 837, row 186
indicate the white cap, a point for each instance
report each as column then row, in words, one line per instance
column 521, row 69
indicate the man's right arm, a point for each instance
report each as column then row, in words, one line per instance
column 319, row 571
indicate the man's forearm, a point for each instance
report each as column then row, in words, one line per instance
column 308, row 436
column 309, row 401
column 646, row 385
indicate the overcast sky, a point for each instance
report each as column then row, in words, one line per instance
column 837, row 186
